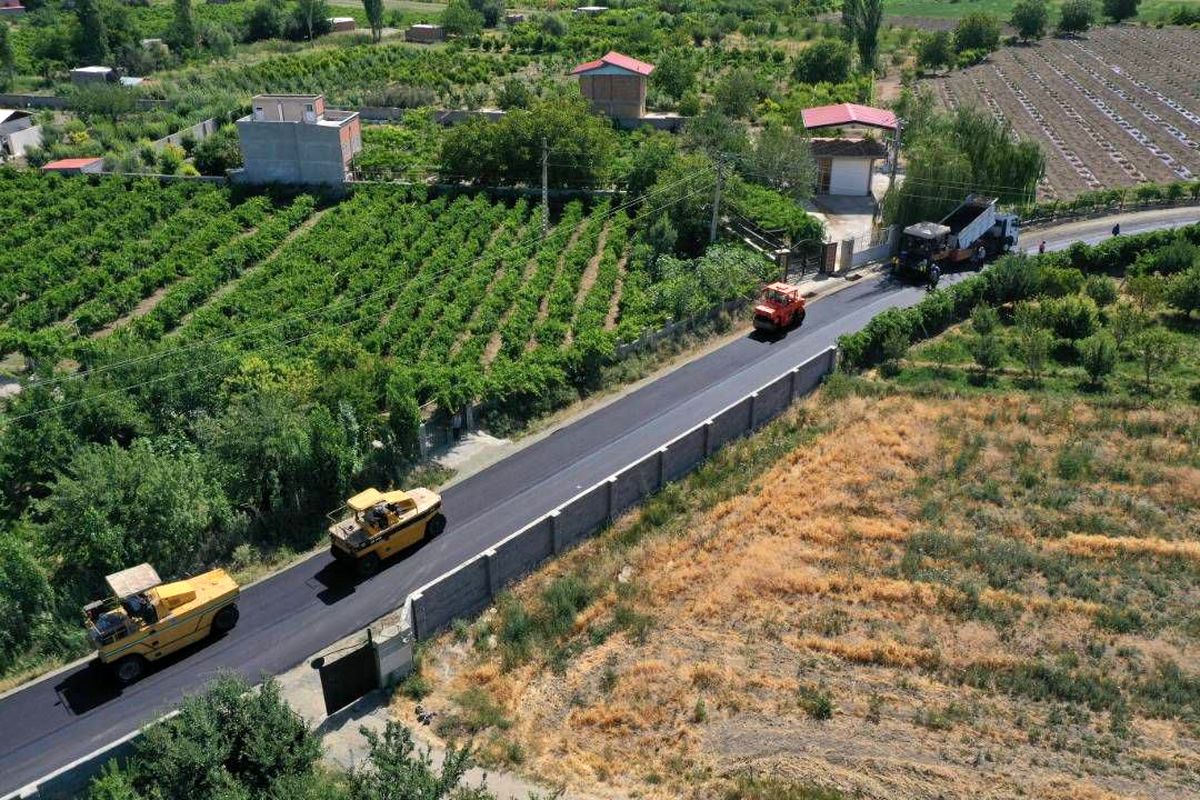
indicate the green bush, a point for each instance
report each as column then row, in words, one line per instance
column 1098, row 354
column 1073, row 317
column 1060, row 281
column 1102, row 290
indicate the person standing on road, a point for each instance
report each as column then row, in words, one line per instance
column 1117, row 229
column 1042, row 248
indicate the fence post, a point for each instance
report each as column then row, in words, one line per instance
column 753, row 405
column 793, row 377
column 662, row 467
column 492, row 577
column 611, row 495
column 708, row 426
column 555, row 534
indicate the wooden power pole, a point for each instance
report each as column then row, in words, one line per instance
column 716, row 213
column 545, row 186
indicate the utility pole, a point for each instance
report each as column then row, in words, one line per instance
column 712, row 228
column 545, row 186
column 895, row 152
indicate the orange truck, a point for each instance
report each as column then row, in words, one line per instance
column 779, row 307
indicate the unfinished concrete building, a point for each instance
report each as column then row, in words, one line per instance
column 615, row 85
column 295, row 139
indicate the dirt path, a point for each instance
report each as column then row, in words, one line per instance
column 229, row 286
column 464, row 335
column 614, row 308
column 588, row 279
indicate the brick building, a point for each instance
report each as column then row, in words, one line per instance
column 846, row 162
column 615, row 85
column 290, row 138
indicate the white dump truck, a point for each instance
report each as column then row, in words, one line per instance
column 971, row 233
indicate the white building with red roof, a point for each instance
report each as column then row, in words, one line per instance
column 615, row 84
column 845, row 162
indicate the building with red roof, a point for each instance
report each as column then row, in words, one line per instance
column 11, row 8
column 846, row 163
column 615, row 84
column 75, row 166
column 842, row 115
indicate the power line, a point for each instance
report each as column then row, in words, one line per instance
column 266, row 348
column 297, row 317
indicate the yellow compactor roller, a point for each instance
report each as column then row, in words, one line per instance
column 146, row 619
column 380, row 524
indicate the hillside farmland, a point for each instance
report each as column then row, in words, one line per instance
column 1118, row 108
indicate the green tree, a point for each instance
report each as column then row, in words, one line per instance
column 492, row 11
column 1101, row 289
column 675, row 73
column 265, row 20
column 374, row 11
column 988, row 353
column 91, row 46
column 977, row 31
column 1125, row 320
column 181, row 36
column 459, row 19
column 113, row 507
column 404, row 413
column 1155, row 349
column 737, row 91
column 398, row 770
column 1183, row 290
column 230, row 741
column 651, row 152
column 1076, row 16
column 683, row 192
column 782, row 160
column 1033, row 341
column 1030, row 18
column 935, row 50
column 219, row 152
column 26, row 597
column 1098, row 354
column 1148, row 290
column 715, row 134
column 7, row 58
column 823, row 61
column 311, row 18
column 1073, row 317
column 1120, row 10
column 514, row 93
column 984, row 320
column 863, row 19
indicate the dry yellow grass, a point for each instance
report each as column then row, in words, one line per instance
column 801, row 587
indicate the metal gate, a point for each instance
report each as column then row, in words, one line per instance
column 348, row 678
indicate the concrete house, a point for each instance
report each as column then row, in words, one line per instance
column 425, row 33
column 615, row 85
column 342, row 24
column 75, row 166
column 845, row 163
column 290, row 138
column 17, row 133
column 85, row 76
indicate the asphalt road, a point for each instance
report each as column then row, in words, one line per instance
column 288, row 617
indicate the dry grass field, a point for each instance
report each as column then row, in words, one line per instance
column 889, row 594
column 1117, row 108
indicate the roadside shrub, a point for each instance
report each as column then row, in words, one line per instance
column 984, row 320
column 1098, row 355
column 1060, row 281
column 1102, row 290
column 1183, row 290
column 1073, row 317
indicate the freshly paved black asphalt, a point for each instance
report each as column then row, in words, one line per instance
column 290, row 616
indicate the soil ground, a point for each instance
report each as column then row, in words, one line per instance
column 895, row 592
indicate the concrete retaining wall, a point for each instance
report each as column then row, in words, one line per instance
column 462, row 593
column 198, row 132
column 636, row 482
column 517, row 555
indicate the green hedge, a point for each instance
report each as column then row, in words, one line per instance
column 1012, row 278
column 1146, row 193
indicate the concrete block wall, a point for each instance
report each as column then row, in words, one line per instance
column 471, row 587
column 637, row 481
column 517, row 555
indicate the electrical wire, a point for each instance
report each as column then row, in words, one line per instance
column 266, row 348
column 149, row 357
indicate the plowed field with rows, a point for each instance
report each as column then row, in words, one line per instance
column 1117, row 108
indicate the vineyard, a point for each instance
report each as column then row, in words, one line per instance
column 464, row 291
column 1119, row 108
